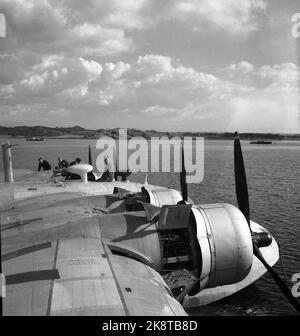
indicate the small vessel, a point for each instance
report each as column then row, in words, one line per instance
column 35, row 139
column 261, row 142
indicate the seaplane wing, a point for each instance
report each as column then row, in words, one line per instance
column 99, row 248
column 23, row 175
column 56, row 262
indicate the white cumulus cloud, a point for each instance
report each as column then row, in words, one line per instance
column 242, row 97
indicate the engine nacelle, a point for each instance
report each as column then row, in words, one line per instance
column 225, row 242
column 160, row 197
column 212, row 243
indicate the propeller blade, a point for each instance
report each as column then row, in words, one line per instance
column 243, row 202
column 183, row 184
column 283, row 287
column 1, row 302
column 90, row 156
column 116, row 168
column 240, row 179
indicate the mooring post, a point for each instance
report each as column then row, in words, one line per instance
column 7, row 163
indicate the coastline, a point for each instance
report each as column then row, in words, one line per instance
column 78, row 132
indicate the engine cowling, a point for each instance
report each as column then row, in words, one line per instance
column 160, row 197
column 211, row 241
column 225, row 242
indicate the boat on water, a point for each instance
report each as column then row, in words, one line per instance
column 261, row 142
column 35, row 139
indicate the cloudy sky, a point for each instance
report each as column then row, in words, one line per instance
column 198, row 65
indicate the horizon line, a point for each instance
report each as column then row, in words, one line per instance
column 163, row 131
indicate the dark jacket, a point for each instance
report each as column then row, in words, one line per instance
column 45, row 165
column 107, row 176
column 63, row 164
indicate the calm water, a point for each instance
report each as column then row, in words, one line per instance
column 273, row 181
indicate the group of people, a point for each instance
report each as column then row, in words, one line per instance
column 62, row 164
column 107, row 175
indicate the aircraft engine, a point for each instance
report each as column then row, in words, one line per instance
column 193, row 246
column 225, row 242
column 211, row 241
column 160, row 197
column 156, row 197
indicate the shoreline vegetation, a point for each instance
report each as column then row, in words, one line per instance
column 78, row 132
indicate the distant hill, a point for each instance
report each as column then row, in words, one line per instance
column 80, row 132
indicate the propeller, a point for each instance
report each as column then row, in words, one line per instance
column 243, row 203
column 240, row 179
column 1, row 302
column 183, row 184
column 90, row 156
column 116, row 169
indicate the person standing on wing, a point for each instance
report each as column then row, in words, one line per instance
column 107, row 175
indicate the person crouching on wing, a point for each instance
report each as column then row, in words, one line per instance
column 62, row 163
column 44, row 164
column 60, row 170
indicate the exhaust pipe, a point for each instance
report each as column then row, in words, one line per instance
column 7, row 163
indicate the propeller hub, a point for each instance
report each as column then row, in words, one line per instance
column 262, row 239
